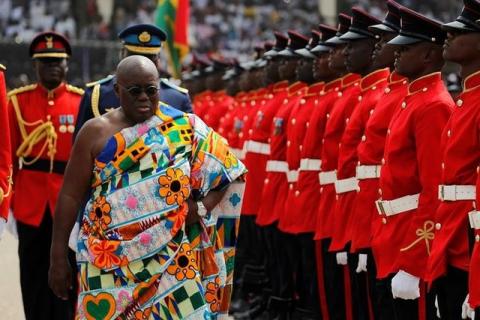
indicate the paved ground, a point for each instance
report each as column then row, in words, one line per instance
column 10, row 296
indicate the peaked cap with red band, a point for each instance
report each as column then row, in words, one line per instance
column 49, row 45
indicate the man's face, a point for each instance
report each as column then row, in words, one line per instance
column 358, row 54
column 244, row 81
column 271, row 70
column 336, row 59
column 304, row 70
column 287, row 69
column 138, row 95
column 51, row 70
column 384, row 54
column 462, row 47
column 409, row 59
column 321, row 70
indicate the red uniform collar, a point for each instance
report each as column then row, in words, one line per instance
column 333, row 85
column 279, row 86
column 54, row 92
column 374, row 78
column 422, row 83
column 471, row 82
column 395, row 80
column 316, row 89
column 350, row 79
column 298, row 88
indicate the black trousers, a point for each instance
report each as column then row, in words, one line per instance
column 333, row 279
column 422, row 308
column 307, row 284
column 383, row 302
column 451, row 291
column 288, row 264
column 272, row 246
column 39, row 302
column 249, row 258
column 362, row 287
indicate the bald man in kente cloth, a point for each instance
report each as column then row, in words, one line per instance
column 163, row 196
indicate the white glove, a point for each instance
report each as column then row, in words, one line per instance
column 439, row 316
column 3, row 224
column 405, row 286
column 467, row 311
column 73, row 239
column 362, row 263
column 12, row 224
column 342, row 258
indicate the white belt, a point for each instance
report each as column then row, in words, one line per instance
column 474, row 218
column 257, row 147
column 368, row 172
column 327, row 177
column 456, row 192
column 310, row 164
column 292, row 176
column 396, row 206
column 277, row 166
column 346, row 185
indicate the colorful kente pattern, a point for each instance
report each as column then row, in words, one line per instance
column 136, row 258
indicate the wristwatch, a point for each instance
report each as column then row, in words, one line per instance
column 202, row 211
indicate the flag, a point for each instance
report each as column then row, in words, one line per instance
column 172, row 17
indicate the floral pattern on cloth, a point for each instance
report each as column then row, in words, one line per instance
column 136, row 259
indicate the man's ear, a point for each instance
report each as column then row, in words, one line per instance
column 116, row 88
column 434, row 54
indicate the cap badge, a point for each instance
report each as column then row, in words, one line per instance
column 144, row 37
column 49, row 41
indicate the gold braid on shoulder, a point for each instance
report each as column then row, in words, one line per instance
column 44, row 130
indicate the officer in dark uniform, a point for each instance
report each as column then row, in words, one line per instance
column 141, row 39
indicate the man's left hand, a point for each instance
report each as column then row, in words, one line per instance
column 192, row 214
column 405, row 286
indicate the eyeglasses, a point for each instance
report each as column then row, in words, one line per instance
column 136, row 91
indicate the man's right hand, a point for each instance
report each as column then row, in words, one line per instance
column 192, row 214
column 60, row 277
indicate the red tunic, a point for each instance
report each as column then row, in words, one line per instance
column 217, row 108
column 336, row 123
column 460, row 156
column 5, row 154
column 296, row 130
column 275, row 186
column 364, row 217
column 201, row 103
column 33, row 188
column 255, row 160
column 304, row 206
column 371, row 86
column 234, row 139
column 411, row 166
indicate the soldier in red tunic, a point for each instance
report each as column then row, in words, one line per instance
column 369, row 153
column 5, row 155
column 256, row 229
column 336, row 121
column 361, row 43
column 42, row 121
column 450, row 254
column 411, row 168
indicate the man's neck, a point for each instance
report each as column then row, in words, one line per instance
column 469, row 68
column 424, row 73
column 50, row 85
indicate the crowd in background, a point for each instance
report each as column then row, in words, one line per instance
column 231, row 28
